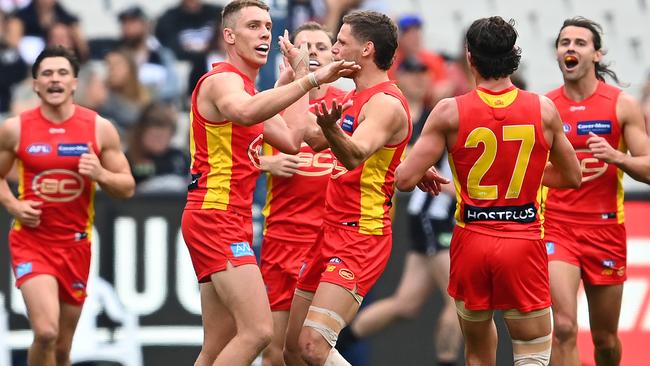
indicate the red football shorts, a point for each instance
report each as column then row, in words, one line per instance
column 599, row 250
column 281, row 261
column 491, row 272
column 69, row 263
column 216, row 237
column 345, row 258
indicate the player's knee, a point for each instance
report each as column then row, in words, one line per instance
column 604, row 340
column 565, row 329
column 259, row 335
column 534, row 352
column 46, row 334
column 313, row 347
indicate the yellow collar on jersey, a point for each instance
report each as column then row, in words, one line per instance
column 498, row 100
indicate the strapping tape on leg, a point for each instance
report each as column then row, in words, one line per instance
column 536, row 352
column 472, row 315
column 304, row 294
column 516, row 314
column 326, row 322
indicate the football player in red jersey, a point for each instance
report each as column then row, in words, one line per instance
column 228, row 118
column 585, row 230
column 62, row 150
column 354, row 242
column 499, row 139
column 295, row 201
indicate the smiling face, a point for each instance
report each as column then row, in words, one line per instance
column 576, row 54
column 251, row 35
column 55, row 81
column 319, row 45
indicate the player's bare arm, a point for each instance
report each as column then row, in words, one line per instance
column 637, row 163
column 27, row 212
column 563, row 169
column 381, row 121
column 222, row 96
column 110, row 169
column 429, row 147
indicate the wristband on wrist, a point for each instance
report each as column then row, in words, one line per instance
column 312, row 79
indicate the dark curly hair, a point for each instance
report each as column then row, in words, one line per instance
column 491, row 44
column 56, row 51
column 596, row 33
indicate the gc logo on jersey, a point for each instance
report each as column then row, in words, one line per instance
column 591, row 167
column 58, row 185
column 39, row 149
column 255, row 150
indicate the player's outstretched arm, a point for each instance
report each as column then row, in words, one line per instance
column 225, row 91
column 110, row 169
column 27, row 212
column 563, row 170
column 383, row 117
column 415, row 170
column 637, row 163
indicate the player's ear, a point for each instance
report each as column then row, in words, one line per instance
column 229, row 36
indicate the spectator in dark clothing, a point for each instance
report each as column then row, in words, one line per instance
column 12, row 67
column 203, row 61
column 188, row 27
column 40, row 15
column 155, row 164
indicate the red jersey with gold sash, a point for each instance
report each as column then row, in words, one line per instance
column 600, row 196
column 225, row 161
column 360, row 200
column 48, row 160
column 295, row 206
column 498, row 162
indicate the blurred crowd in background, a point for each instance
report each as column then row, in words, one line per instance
column 142, row 80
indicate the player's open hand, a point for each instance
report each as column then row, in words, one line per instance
column 298, row 57
column 328, row 118
column 602, row 150
column 286, row 74
column 280, row 165
column 335, row 70
column 89, row 164
column 432, row 182
column 27, row 212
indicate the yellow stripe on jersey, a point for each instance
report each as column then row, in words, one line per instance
column 267, row 150
column 219, row 139
column 91, row 212
column 457, row 187
column 21, row 189
column 372, row 199
column 620, row 193
column 542, row 193
column 498, row 101
column 192, row 142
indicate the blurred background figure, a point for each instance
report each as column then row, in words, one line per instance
column 155, row 62
column 37, row 18
column 121, row 97
column 187, row 28
column 202, row 61
column 13, row 68
column 411, row 45
column 156, row 165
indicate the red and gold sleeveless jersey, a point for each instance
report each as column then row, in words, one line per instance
column 498, row 162
column 295, row 206
column 48, row 171
column 600, row 196
column 361, row 199
column 225, row 156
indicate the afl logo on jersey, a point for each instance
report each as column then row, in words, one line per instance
column 39, row 149
column 58, row 185
column 566, row 127
column 255, row 150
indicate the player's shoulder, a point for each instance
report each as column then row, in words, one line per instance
column 10, row 131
